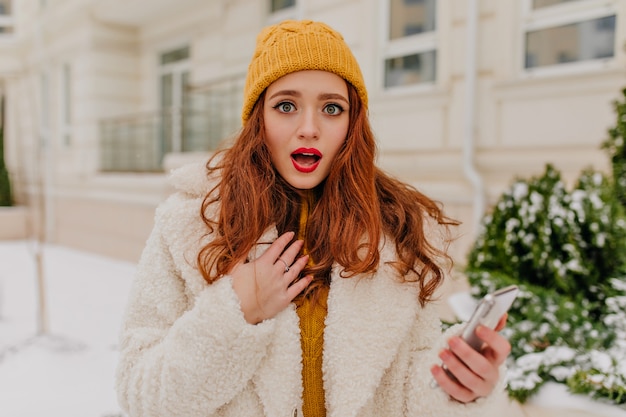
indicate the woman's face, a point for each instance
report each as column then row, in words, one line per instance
column 306, row 122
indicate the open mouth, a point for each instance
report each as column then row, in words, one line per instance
column 306, row 160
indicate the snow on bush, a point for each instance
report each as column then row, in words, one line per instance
column 566, row 250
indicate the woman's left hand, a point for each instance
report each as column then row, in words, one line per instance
column 475, row 373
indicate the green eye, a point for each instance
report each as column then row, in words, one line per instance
column 333, row 109
column 285, row 107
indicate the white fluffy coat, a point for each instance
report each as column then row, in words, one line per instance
column 187, row 351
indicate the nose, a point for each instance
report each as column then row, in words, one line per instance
column 308, row 127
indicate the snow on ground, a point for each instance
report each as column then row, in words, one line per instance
column 69, row 372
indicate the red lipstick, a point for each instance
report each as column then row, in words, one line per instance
column 306, row 159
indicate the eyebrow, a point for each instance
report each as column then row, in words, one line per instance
column 332, row 96
column 322, row 96
column 286, row 93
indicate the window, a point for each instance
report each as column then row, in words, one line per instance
column 568, row 32
column 410, row 55
column 175, row 55
column 213, row 113
column 5, row 7
column 6, row 18
column 280, row 10
column 410, row 69
column 276, row 5
column 174, row 82
column 138, row 143
column 537, row 4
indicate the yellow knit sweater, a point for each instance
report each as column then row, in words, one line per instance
column 312, row 315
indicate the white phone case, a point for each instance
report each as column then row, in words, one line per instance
column 488, row 312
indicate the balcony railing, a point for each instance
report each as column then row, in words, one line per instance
column 6, row 17
column 138, row 143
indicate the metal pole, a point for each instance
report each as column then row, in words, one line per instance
column 469, row 147
column 42, row 163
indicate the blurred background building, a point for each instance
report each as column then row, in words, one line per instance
column 104, row 97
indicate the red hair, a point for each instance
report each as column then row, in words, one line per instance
column 357, row 205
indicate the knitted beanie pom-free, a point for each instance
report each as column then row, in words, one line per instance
column 292, row 46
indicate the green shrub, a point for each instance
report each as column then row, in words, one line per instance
column 5, row 185
column 566, row 250
column 615, row 146
column 5, row 188
column 541, row 234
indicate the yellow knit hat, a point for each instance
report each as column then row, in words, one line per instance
column 292, row 46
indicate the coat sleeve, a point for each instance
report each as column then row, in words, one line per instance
column 181, row 356
column 424, row 397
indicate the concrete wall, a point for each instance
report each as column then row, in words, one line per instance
column 111, row 215
column 524, row 119
column 15, row 223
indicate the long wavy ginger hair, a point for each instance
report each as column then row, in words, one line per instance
column 356, row 205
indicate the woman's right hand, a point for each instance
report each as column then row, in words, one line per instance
column 266, row 286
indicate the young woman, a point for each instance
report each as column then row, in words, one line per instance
column 292, row 277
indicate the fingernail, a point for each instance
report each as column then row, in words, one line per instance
column 453, row 342
column 433, row 382
column 444, row 354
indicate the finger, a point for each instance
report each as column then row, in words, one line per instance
column 295, row 269
column 471, row 368
column 502, row 322
column 464, row 351
column 298, row 287
column 289, row 255
column 498, row 346
column 479, row 382
column 278, row 246
column 450, row 386
column 286, row 260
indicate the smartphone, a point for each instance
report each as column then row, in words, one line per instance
column 488, row 313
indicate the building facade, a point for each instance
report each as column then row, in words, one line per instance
column 104, row 97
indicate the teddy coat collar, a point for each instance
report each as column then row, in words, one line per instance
column 368, row 318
